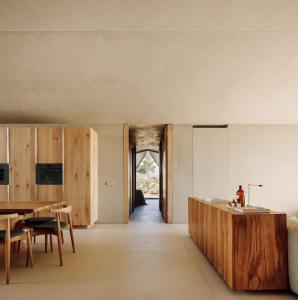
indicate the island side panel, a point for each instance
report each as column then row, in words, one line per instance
column 260, row 252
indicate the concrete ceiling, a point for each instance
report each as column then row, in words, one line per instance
column 146, row 137
column 135, row 61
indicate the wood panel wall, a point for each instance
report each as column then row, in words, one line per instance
column 22, row 164
column 23, row 147
column 49, row 148
column 4, row 158
column 77, row 172
column 125, row 173
column 167, row 174
column 94, row 175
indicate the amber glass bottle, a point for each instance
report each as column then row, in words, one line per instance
column 241, row 196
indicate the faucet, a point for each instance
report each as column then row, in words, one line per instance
column 248, row 191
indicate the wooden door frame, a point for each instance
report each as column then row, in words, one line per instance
column 125, row 173
column 168, row 139
column 169, row 172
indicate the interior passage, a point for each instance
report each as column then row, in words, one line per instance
column 149, row 213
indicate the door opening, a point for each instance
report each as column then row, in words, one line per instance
column 147, row 175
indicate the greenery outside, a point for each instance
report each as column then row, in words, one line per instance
column 148, row 177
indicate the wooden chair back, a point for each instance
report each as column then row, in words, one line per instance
column 6, row 220
column 66, row 209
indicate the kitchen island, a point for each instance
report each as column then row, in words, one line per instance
column 249, row 250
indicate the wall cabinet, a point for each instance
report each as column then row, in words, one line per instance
column 80, row 174
column 49, row 149
column 75, row 148
column 22, row 164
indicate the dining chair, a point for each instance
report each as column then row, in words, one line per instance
column 37, row 220
column 55, row 227
column 9, row 236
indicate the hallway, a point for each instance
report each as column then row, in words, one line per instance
column 149, row 213
column 123, row 262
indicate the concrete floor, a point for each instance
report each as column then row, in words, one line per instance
column 149, row 213
column 126, row 262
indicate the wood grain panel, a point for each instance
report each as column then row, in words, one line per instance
column 22, row 164
column 125, row 173
column 49, row 193
column 4, row 158
column 3, row 145
column 49, row 145
column 249, row 251
column 94, row 175
column 77, row 173
column 49, row 150
column 169, row 172
column 260, row 246
column 192, row 219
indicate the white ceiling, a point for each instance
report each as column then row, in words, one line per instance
column 196, row 62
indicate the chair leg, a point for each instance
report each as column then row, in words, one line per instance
column 7, row 260
column 29, row 249
column 72, row 240
column 60, row 246
column 46, row 243
column 51, row 242
column 62, row 237
column 20, row 246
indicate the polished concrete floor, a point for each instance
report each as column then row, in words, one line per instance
column 127, row 262
column 149, row 213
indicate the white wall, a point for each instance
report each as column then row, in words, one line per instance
column 210, row 176
column 182, row 171
column 260, row 154
column 110, row 148
column 268, row 155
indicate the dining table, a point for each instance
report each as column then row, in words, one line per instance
column 25, row 208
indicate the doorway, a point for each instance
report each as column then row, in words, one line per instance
column 146, row 206
column 147, row 177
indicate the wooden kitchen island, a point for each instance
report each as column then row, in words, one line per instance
column 249, row 251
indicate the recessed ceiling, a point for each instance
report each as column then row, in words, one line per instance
column 153, row 62
column 146, row 137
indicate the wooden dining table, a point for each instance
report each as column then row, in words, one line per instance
column 24, row 208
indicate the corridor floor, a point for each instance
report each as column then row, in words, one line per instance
column 148, row 261
column 149, row 213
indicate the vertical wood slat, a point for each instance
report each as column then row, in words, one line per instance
column 49, row 145
column 4, row 158
column 169, row 172
column 78, row 175
column 211, row 230
column 125, row 173
column 94, row 175
column 49, row 150
column 22, row 164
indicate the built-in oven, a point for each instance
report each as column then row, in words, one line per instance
column 49, row 174
column 4, row 174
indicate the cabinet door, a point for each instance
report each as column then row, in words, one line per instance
column 22, row 164
column 3, row 159
column 77, row 173
column 49, row 150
